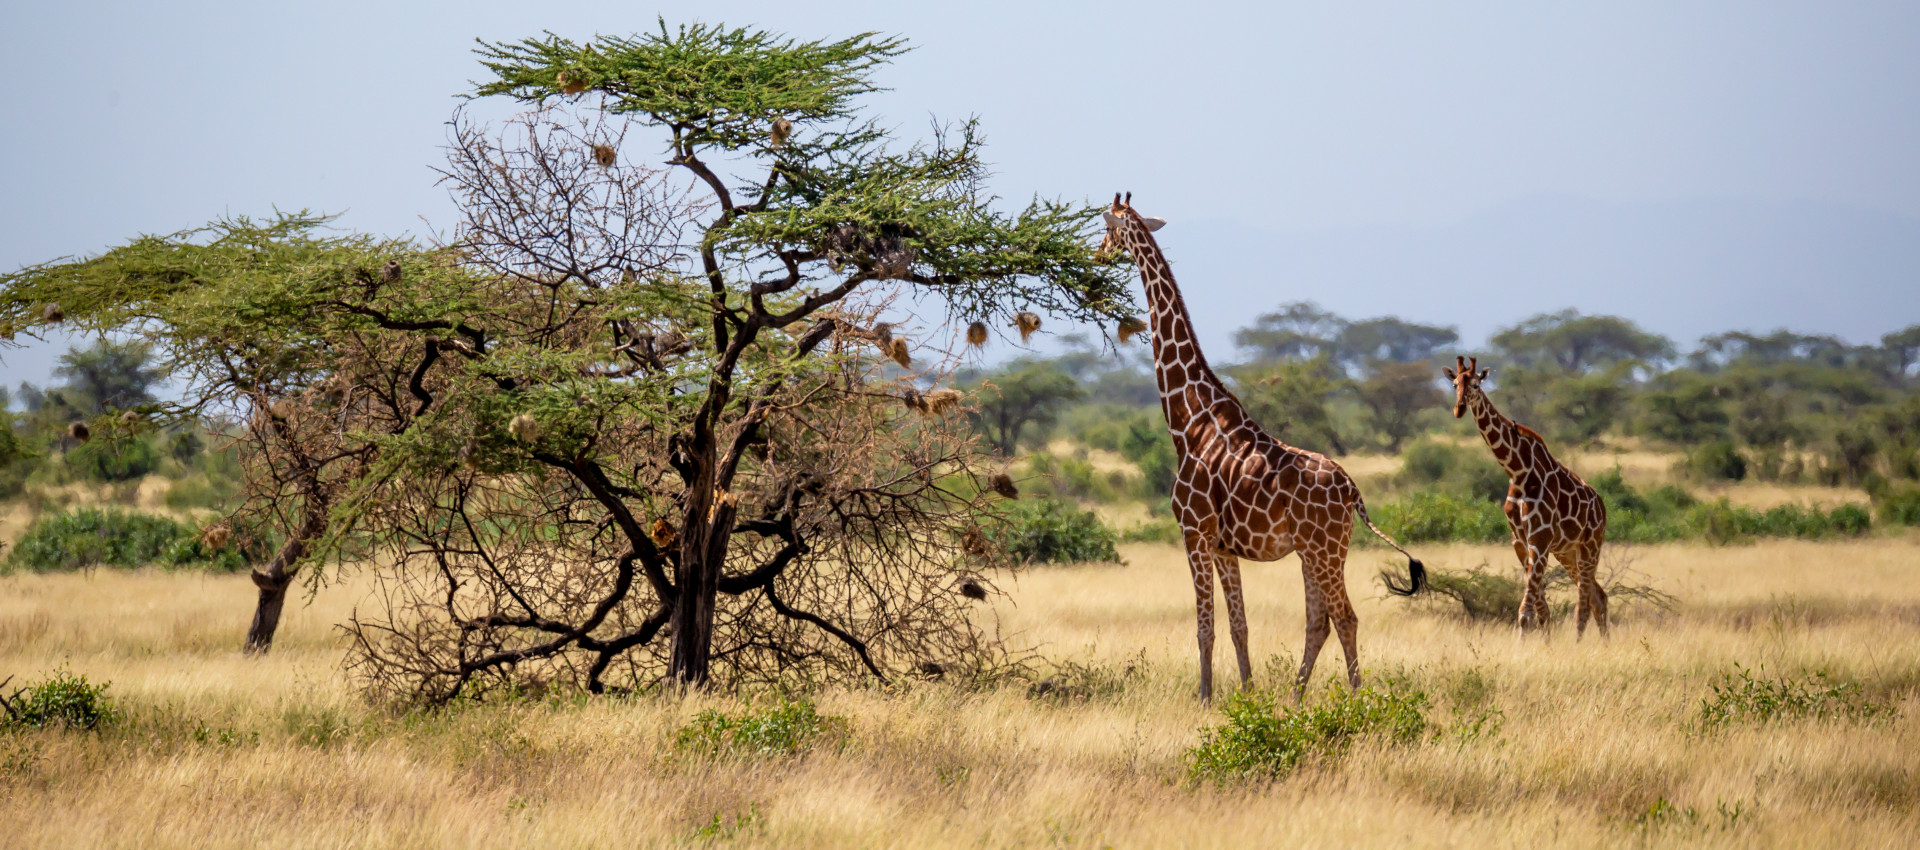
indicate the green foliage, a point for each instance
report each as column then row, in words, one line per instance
column 1046, row 531
column 90, row 537
column 1719, row 460
column 787, row 728
column 1074, row 478
column 1899, row 506
column 64, row 701
column 1293, row 400
column 106, row 459
column 110, row 375
column 1148, row 445
column 1261, row 740
column 1429, row 516
column 1740, row 697
column 1157, row 530
column 1720, row 521
column 1459, row 471
column 1025, row 394
column 1575, row 344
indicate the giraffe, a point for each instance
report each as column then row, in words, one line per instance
column 1550, row 509
column 1237, row 491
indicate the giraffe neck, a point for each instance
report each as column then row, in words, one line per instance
column 1503, row 436
column 1178, row 363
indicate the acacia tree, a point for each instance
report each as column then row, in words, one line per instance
column 248, row 316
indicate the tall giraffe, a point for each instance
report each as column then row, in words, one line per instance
column 1237, row 491
column 1550, row 509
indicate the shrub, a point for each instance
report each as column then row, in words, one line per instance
column 1147, row 444
column 1052, row 531
column 1487, row 595
column 1467, row 473
column 1739, row 697
column 1256, row 742
column 1427, row 516
column 1157, row 530
column 92, row 537
column 66, row 700
column 1899, row 507
column 1072, row 478
column 114, row 460
column 1717, row 461
column 788, row 728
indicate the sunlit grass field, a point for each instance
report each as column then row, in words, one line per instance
column 1582, row 743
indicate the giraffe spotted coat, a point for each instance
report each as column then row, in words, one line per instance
column 1237, row 491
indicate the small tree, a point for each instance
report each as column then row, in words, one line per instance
column 1396, row 394
column 1292, row 400
column 1024, row 393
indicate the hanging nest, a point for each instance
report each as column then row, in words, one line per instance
column 572, row 81
column 780, row 131
column 1027, row 323
column 390, row 273
column 942, row 400
column 524, row 428
column 897, row 349
column 664, row 536
column 215, row 537
column 603, row 155
column 80, row 431
column 1130, row 326
column 977, row 334
column 1002, row 483
column 971, row 588
column 53, row 313
column 129, row 418
column 974, row 543
column 882, row 333
column 914, row 400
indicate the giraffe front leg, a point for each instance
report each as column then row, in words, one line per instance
column 1229, row 568
column 1533, row 606
column 1592, row 559
column 1200, row 561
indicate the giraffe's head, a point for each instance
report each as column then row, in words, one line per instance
column 1121, row 216
column 1466, row 376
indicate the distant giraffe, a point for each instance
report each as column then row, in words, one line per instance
column 1238, row 492
column 1550, row 510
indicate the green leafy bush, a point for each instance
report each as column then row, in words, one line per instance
column 1052, row 531
column 1899, row 507
column 88, row 537
column 1158, row 530
column 1460, row 471
column 1739, row 697
column 1147, row 444
column 787, row 728
column 1719, row 460
column 1428, row 516
column 66, row 700
column 114, row 460
column 1261, row 741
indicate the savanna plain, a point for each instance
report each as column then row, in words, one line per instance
column 1541, row 741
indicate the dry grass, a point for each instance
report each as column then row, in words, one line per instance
column 223, row 751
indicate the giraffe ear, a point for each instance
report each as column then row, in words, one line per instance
column 1485, row 372
column 1153, row 224
column 1112, row 220
column 1447, row 371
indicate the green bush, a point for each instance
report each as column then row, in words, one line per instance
column 1428, row 516
column 1468, row 473
column 1738, row 697
column 1259, row 742
column 1719, row 460
column 89, row 537
column 1052, row 531
column 1073, row 478
column 1164, row 529
column 788, row 728
column 1147, row 444
column 1899, row 507
column 66, row 701
column 114, row 460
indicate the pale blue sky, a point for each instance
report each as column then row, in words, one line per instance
column 1336, row 133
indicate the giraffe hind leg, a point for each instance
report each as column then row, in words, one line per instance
column 1319, row 625
column 1346, row 623
column 1200, row 560
column 1228, row 566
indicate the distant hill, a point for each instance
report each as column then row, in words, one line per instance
column 1684, row 269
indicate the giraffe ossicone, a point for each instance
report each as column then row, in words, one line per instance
column 1549, row 509
column 1237, row 491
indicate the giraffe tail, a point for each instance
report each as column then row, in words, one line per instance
column 1416, row 571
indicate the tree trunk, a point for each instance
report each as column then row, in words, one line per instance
column 703, row 552
column 266, row 613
